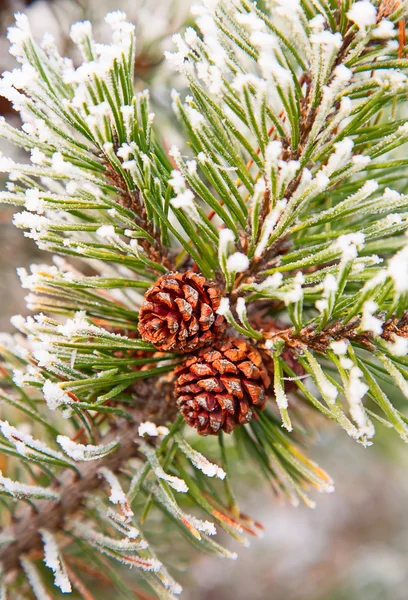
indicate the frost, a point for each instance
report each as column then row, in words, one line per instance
column 399, row 346
column 327, row 389
column 226, row 236
column 293, row 295
column 384, row 30
column 34, row 579
column 28, row 220
column 177, row 59
column 106, row 231
column 24, row 491
column 368, row 321
column 339, row 157
column 398, row 270
column 74, row 326
column 44, row 358
column 175, row 482
column 34, row 203
column 268, row 227
column 282, row 402
column 81, row 31
column 183, row 200
column 117, row 495
column 273, row 153
column 330, row 286
column 115, row 17
column 53, row 561
column 18, row 35
column 349, row 244
column 327, row 39
column 204, row 526
column 346, row 363
column 237, row 263
column 224, row 307
column 355, row 392
column 54, row 396
column 363, row 14
column 199, row 461
column 80, row 452
column 340, row 347
column 150, row 429
column 271, row 283
column 20, row 439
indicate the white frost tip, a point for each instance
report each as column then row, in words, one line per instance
column 363, row 14
column 384, row 30
column 349, row 244
column 237, row 262
column 340, row 347
column 115, row 17
column 398, row 270
column 399, row 346
column 224, row 307
column 81, row 31
column 117, row 495
column 326, row 38
column 226, row 235
column 53, row 561
column 55, row 396
column 369, row 322
column 80, row 452
column 201, row 462
column 106, row 231
column 343, row 73
column 150, row 429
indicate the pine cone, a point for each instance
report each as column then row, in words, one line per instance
column 217, row 388
column 179, row 313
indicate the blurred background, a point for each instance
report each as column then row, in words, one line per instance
column 354, row 545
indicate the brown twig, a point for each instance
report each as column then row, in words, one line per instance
column 320, row 341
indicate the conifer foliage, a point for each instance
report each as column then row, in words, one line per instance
column 268, row 256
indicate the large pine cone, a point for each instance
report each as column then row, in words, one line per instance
column 217, row 388
column 179, row 313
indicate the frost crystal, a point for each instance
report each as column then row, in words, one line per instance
column 150, row 429
column 399, row 346
column 201, row 462
column 355, row 392
column 398, row 270
column 224, row 307
column 53, row 561
column 363, row 14
column 117, row 495
column 369, row 322
column 339, row 347
column 80, row 452
column 384, row 30
column 54, row 396
column 237, row 262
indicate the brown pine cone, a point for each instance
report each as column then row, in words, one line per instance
column 217, row 388
column 179, row 313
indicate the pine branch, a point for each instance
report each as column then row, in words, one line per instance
column 73, row 487
column 216, row 280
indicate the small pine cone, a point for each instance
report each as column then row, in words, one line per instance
column 217, row 388
column 179, row 313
